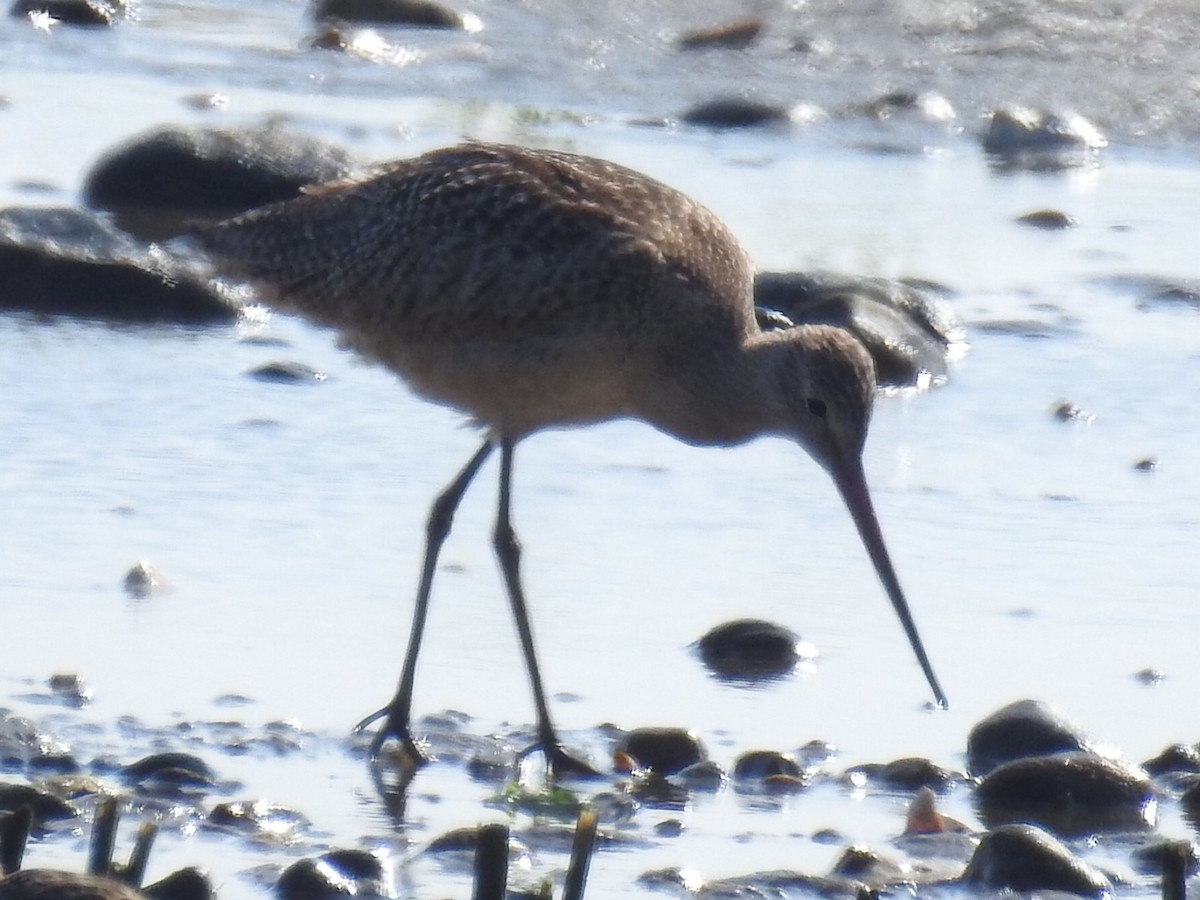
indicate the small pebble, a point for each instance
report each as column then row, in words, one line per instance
column 1065, row 411
column 1147, row 464
column 1047, row 220
column 737, row 36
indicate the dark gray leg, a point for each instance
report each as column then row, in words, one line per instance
column 508, row 550
column 441, row 516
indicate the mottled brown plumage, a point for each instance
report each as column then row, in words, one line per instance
column 51, row 884
column 535, row 289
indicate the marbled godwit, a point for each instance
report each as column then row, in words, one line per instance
column 534, row 289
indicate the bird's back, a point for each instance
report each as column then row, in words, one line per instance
column 481, row 250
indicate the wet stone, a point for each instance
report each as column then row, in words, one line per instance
column 160, row 183
column 1047, row 220
column 1026, row 858
column 705, row 775
column 912, row 774
column 750, row 649
column 909, row 330
column 333, row 874
column 60, row 261
column 736, row 36
column 1148, row 464
column 259, row 817
column 927, row 106
column 1177, row 759
column 1022, row 138
column 1020, row 729
column 1069, row 793
column 412, row 13
column 185, row 884
column 759, row 765
column 664, row 751
column 45, row 806
column 169, row 773
column 1155, row 857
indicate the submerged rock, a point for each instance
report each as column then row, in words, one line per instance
column 1022, row 138
column 1026, row 858
column 908, row 331
column 61, row 261
column 732, row 112
column 749, row 649
column 1020, row 729
column 160, row 183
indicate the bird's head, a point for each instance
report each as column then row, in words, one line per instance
column 824, row 382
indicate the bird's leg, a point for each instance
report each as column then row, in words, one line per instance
column 441, row 516
column 508, row 550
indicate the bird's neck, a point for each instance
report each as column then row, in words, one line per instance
column 725, row 399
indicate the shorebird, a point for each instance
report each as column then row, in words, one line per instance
column 535, row 289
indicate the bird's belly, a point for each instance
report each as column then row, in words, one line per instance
column 518, row 390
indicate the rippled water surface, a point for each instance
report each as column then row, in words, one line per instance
column 288, row 518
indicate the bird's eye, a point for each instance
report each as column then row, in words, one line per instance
column 816, row 407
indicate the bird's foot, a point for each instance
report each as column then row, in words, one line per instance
column 394, row 728
column 560, row 763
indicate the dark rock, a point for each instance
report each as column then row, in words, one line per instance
column 1047, row 220
column 907, row 330
column 1026, row 858
column 185, row 884
column 161, row 182
column 1069, row 793
column 1148, row 676
column 44, row 805
column 1176, row 759
column 70, row 12
column 414, row 13
column 663, row 751
column 168, row 773
column 731, row 112
column 737, row 36
column 749, row 649
column 1023, row 728
column 72, row 262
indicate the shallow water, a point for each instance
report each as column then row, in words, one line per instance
column 289, row 518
